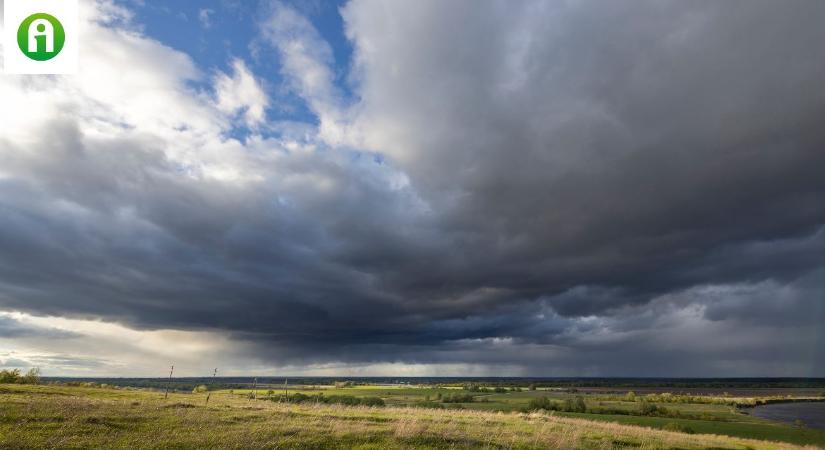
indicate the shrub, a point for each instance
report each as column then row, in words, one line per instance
column 569, row 405
column 200, row 389
column 457, row 398
column 300, row 398
column 532, row 387
column 630, row 397
column 499, row 390
column 10, row 376
column 32, row 376
column 429, row 404
column 353, row 401
column 580, row 405
column 541, row 403
column 343, row 384
column 372, row 401
column 673, row 426
column 14, row 376
column 646, row 408
column 348, row 400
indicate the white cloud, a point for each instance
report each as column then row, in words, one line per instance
column 306, row 62
column 240, row 93
column 203, row 17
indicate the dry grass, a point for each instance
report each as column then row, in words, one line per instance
column 61, row 417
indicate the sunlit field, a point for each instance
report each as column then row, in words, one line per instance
column 715, row 414
column 59, row 416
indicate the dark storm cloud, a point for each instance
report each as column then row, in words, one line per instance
column 590, row 184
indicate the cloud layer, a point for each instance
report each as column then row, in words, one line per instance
column 522, row 188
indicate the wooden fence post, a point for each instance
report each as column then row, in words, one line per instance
column 208, row 392
column 166, row 395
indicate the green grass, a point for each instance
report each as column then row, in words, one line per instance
column 33, row 417
column 718, row 418
column 748, row 427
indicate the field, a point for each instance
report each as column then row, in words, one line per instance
column 58, row 416
column 714, row 414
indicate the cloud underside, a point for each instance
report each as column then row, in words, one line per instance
column 622, row 188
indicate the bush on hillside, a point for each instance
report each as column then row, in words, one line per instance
column 569, row 405
column 541, row 403
column 14, row 376
column 457, row 398
column 673, row 426
column 9, row 376
column 347, row 400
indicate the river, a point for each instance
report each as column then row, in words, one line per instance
column 811, row 413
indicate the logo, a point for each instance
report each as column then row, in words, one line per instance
column 41, row 37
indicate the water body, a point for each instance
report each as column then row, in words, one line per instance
column 811, row 413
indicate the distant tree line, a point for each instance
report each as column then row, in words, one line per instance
column 476, row 387
column 348, row 400
column 568, row 405
column 457, row 398
column 578, row 405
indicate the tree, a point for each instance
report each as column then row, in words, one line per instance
column 630, row 397
column 9, row 376
column 580, row 405
column 32, row 376
column 541, row 403
column 200, row 389
column 646, row 408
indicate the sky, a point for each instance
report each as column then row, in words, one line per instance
column 478, row 188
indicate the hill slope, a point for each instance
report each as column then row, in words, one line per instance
column 73, row 417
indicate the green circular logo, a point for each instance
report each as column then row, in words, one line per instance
column 41, row 37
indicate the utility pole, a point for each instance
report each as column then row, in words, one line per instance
column 208, row 393
column 286, row 389
column 166, row 395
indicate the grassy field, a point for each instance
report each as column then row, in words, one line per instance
column 704, row 417
column 77, row 417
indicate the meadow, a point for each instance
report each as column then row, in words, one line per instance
column 64, row 416
column 715, row 413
